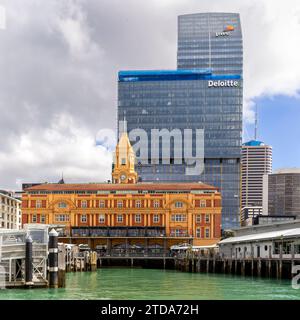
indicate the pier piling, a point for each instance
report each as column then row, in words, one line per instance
column 61, row 267
column 53, row 259
column 28, row 262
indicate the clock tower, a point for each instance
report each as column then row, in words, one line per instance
column 123, row 165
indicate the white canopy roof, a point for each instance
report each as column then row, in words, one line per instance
column 288, row 233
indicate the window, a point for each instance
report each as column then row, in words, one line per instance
column 198, row 218
column 62, row 217
column 207, row 218
column 120, row 204
column 297, row 248
column 84, row 204
column 156, row 218
column 38, row 204
column 179, row 217
column 198, row 233
column 123, row 161
column 101, row 218
column 138, row 218
column 83, row 218
column 156, row 204
column 62, row 205
column 43, row 218
column 179, row 233
column 101, row 204
column 207, row 233
column 202, row 203
column 34, row 219
column 138, row 203
column 119, row 218
column 178, row 204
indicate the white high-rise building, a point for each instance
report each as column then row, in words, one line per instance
column 256, row 161
column 10, row 211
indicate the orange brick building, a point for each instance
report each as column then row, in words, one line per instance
column 126, row 211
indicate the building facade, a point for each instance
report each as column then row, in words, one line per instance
column 281, row 194
column 156, row 214
column 256, row 162
column 210, row 40
column 188, row 99
column 10, row 211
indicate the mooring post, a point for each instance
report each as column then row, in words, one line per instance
column 93, row 261
column 61, row 266
column 28, row 262
column 53, row 259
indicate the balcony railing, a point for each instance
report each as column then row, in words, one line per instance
column 118, row 232
column 179, row 234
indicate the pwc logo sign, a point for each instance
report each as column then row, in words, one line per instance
column 226, row 31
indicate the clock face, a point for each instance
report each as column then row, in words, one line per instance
column 123, row 177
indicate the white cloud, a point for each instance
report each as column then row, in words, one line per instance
column 42, row 155
column 271, row 48
column 76, row 32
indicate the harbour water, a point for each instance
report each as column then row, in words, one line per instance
column 152, row 284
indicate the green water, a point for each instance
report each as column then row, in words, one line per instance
column 127, row 283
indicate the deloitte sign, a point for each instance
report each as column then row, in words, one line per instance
column 223, row 83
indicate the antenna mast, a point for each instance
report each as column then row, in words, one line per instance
column 256, row 122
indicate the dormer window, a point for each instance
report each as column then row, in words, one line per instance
column 62, row 205
column 178, row 204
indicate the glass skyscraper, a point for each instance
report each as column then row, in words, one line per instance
column 210, row 40
column 203, row 94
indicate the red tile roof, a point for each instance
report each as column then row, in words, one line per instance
column 109, row 187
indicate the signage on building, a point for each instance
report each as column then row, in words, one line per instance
column 225, row 32
column 223, row 83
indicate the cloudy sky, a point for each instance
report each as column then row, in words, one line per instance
column 58, row 70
